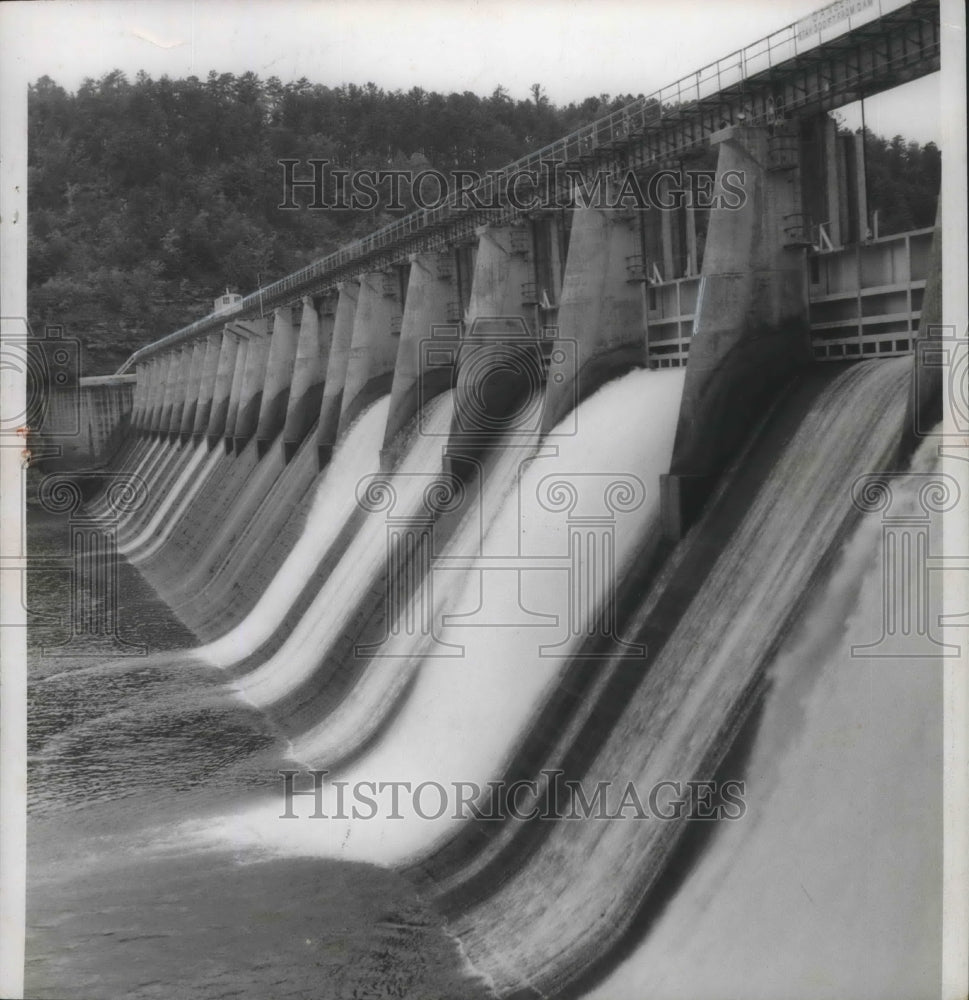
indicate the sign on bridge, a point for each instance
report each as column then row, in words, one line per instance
column 827, row 17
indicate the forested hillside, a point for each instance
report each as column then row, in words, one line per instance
column 148, row 198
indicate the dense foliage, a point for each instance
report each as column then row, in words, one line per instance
column 147, row 198
column 903, row 182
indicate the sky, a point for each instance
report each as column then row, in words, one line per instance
column 574, row 48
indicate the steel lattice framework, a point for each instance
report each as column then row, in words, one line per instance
column 776, row 78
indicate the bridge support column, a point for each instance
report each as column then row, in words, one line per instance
column 180, row 394
column 309, row 373
column 499, row 366
column 253, row 380
column 279, row 377
column 210, row 369
column 162, row 389
column 601, row 332
column 336, row 370
column 430, row 288
column 235, row 391
column 169, row 386
column 750, row 331
column 190, row 405
column 373, row 349
column 142, row 376
column 222, row 392
column 151, row 390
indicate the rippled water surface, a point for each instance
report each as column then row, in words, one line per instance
column 122, row 748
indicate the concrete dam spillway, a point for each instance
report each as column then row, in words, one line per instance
column 492, row 519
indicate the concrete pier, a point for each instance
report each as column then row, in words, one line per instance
column 500, row 369
column 180, row 395
column 600, row 318
column 140, row 395
column 430, row 290
column 151, row 385
column 279, row 376
column 309, row 374
column 160, row 389
column 169, row 388
column 222, row 392
column 373, row 348
column 235, row 391
column 253, row 380
column 210, row 370
column 191, row 403
column 750, row 330
column 336, row 369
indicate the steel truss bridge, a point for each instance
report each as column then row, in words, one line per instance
column 863, row 47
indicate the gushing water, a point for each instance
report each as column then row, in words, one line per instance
column 307, row 645
column 474, row 685
column 801, row 898
column 355, row 457
column 161, row 515
column 561, row 910
column 175, row 516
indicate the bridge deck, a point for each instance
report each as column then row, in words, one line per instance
column 777, row 77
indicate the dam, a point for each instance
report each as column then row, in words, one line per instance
column 504, row 550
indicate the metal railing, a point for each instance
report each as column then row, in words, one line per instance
column 663, row 105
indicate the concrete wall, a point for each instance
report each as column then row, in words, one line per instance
column 600, row 318
column 253, row 382
column 194, row 389
column 750, row 332
column 210, row 369
column 336, row 369
column 279, row 376
column 222, row 389
column 431, row 289
column 373, row 348
column 309, row 373
column 84, row 425
column 498, row 363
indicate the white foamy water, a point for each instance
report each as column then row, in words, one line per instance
column 575, row 895
column 357, row 455
column 323, row 623
column 828, row 887
column 147, row 469
column 512, row 635
column 169, row 501
column 139, row 461
column 170, row 523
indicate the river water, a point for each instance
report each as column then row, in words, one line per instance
column 133, row 754
column 120, row 746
